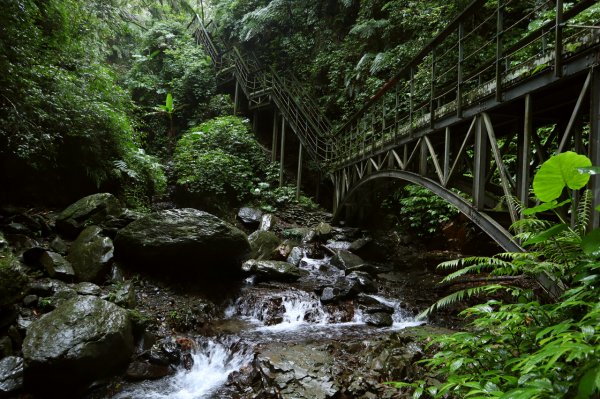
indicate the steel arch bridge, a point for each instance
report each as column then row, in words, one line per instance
column 470, row 117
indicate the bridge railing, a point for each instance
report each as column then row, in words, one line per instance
column 261, row 85
column 491, row 46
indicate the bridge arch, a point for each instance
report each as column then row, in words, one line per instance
column 498, row 233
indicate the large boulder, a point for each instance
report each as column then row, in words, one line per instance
column 345, row 260
column 91, row 255
column 84, row 339
column 56, row 266
column 186, row 240
column 93, row 209
column 251, row 217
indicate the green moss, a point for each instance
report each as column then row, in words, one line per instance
column 12, row 280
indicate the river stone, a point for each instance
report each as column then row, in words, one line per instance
column 56, row 266
column 364, row 281
column 11, row 375
column 270, row 270
column 143, row 370
column 12, row 280
column 93, row 209
column 345, row 259
column 91, row 255
column 251, row 217
column 264, row 245
column 343, row 288
column 378, row 319
column 86, row 288
column 268, row 222
column 296, row 255
column 83, row 339
column 59, row 245
column 187, row 240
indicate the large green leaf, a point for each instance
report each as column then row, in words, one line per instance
column 545, row 206
column 560, row 171
column 169, row 103
column 546, row 234
column 591, row 243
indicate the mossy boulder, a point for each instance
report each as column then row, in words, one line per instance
column 264, row 245
column 83, row 339
column 90, row 210
column 12, row 280
column 91, row 254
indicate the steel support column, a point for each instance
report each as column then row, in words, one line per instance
column 236, row 97
column 595, row 144
column 299, row 175
column 479, row 165
column 274, row 139
column 524, row 154
column 282, row 152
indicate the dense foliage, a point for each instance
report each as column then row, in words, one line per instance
column 219, row 160
column 345, row 49
column 526, row 348
column 418, row 210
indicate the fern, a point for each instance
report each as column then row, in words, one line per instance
column 460, row 296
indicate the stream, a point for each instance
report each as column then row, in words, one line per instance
column 282, row 333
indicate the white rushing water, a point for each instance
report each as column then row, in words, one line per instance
column 213, row 362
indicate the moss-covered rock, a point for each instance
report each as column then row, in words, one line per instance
column 83, row 339
column 12, row 280
column 91, row 254
column 264, row 245
column 93, row 209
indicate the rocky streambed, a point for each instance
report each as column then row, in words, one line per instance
column 105, row 302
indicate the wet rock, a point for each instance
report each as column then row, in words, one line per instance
column 91, row 255
column 273, row 270
column 59, row 245
column 123, row 295
column 90, row 210
column 378, row 319
column 143, row 370
column 113, row 224
column 364, row 268
column 12, row 280
column 11, row 375
column 6, row 347
column 264, row 245
column 268, row 222
column 295, row 256
column 342, row 289
column 165, row 352
column 46, row 287
column 25, row 320
column 297, row 233
column 56, row 266
column 17, row 228
column 83, row 339
column 368, row 304
column 86, row 288
column 251, row 217
column 20, row 243
column 323, row 231
column 364, row 281
column 188, row 240
column 369, row 249
column 297, row 371
column 345, row 259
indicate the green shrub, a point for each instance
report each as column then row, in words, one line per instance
column 142, row 176
column 219, row 160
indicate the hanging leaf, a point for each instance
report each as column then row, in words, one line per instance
column 169, row 103
column 545, row 206
column 560, row 171
column 546, row 234
column 591, row 243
